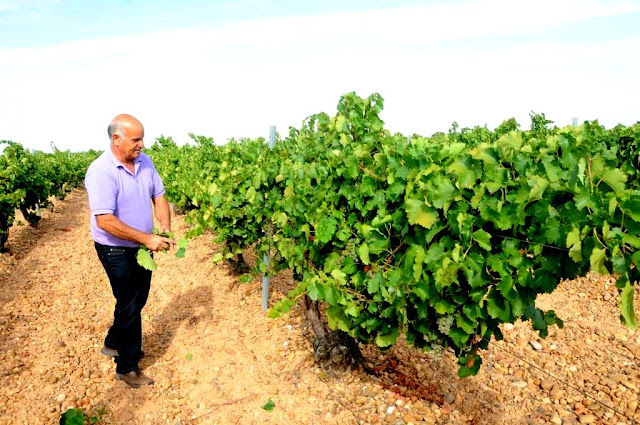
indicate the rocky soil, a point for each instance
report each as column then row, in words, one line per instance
column 217, row 358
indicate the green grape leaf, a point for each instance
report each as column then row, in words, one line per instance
column 574, row 244
column 615, row 178
column 538, row 323
column 459, row 336
column 597, row 259
column 627, row 312
column 632, row 207
column 483, row 238
column 338, row 319
column 363, row 253
column 582, row 167
column 498, row 307
column 145, row 260
column 613, row 204
column 465, row 324
column 388, row 339
column 326, row 228
column 374, row 283
column 251, row 194
column 419, row 213
column 469, row 365
column 182, row 247
column 288, row 192
column 512, row 140
column 339, row 276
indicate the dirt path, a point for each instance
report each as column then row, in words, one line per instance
column 217, row 359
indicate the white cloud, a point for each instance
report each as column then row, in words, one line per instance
column 237, row 79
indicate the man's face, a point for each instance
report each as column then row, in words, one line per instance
column 131, row 141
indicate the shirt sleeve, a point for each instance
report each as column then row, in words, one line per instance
column 102, row 190
column 158, row 185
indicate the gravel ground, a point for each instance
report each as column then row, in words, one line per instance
column 217, row 359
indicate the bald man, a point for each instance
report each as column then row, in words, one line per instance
column 124, row 188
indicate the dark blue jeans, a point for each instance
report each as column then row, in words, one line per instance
column 130, row 284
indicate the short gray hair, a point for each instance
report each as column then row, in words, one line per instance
column 115, row 128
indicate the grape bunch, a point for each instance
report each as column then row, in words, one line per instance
column 269, row 228
column 437, row 351
column 349, row 248
column 277, row 257
column 444, row 324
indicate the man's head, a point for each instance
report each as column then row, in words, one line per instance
column 126, row 134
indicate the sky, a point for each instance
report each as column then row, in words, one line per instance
column 228, row 68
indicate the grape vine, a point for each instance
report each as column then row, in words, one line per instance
column 439, row 238
column 28, row 179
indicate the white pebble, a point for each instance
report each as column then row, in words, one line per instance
column 536, row 345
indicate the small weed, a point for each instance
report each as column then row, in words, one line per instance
column 78, row 417
column 269, row 406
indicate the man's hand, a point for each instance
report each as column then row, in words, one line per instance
column 159, row 243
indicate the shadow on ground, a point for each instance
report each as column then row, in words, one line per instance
column 188, row 308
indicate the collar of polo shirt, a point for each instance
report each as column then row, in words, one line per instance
column 118, row 163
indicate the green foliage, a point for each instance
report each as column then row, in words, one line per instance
column 145, row 258
column 28, row 179
column 78, row 417
column 72, row 417
column 269, row 406
column 441, row 239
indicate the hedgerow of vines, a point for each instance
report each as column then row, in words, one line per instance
column 28, row 179
column 439, row 238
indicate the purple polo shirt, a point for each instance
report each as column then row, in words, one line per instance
column 113, row 189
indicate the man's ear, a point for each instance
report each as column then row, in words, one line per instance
column 115, row 139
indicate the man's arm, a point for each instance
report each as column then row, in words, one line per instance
column 113, row 225
column 163, row 213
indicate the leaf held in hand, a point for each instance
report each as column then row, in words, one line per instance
column 182, row 248
column 145, row 260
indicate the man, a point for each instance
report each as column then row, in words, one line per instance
column 122, row 185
